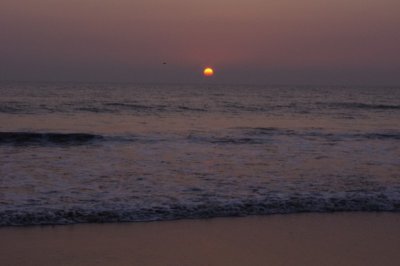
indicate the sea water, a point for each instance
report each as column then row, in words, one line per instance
column 74, row 152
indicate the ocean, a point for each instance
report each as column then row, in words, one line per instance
column 105, row 152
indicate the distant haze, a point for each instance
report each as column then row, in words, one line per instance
column 246, row 41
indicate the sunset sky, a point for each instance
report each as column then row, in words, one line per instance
column 245, row 41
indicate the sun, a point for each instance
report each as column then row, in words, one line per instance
column 208, row 72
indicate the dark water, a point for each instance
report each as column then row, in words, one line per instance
column 73, row 153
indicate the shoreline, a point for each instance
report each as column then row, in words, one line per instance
column 354, row 238
column 206, row 218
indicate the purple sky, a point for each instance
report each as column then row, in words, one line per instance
column 246, row 41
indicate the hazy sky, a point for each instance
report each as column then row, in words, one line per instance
column 246, row 41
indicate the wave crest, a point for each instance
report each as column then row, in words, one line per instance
column 23, row 138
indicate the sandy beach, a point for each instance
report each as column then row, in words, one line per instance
column 296, row 239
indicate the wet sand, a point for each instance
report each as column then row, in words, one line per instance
column 298, row 239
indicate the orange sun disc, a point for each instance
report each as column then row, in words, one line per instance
column 208, row 72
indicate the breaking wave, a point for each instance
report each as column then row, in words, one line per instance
column 240, row 136
column 356, row 105
column 271, row 205
column 389, row 135
column 26, row 138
